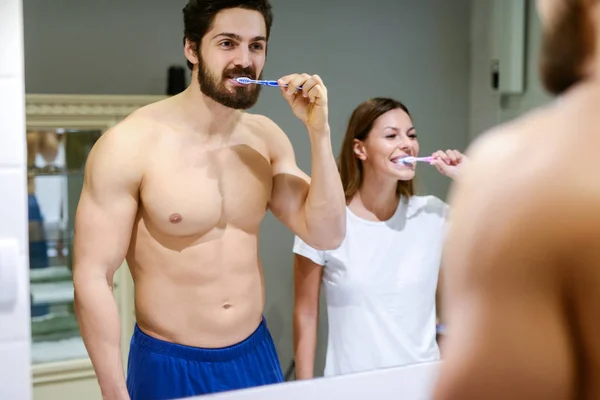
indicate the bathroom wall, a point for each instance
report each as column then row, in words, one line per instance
column 487, row 108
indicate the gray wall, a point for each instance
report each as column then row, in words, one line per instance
column 488, row 109
column 484, row 103
column 416, row 51
column 534, row 95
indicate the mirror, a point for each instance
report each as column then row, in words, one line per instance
column 433, row 56
column 55, row 162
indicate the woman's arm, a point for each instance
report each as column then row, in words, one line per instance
column 307, row 286
column 439, row 307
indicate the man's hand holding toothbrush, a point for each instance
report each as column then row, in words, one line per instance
column 307, row 96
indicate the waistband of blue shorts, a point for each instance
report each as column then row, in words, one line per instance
column 202, row 354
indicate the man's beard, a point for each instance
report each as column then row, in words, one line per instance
column 566, row 48
column 238, row 97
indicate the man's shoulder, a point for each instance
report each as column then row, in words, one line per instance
column 136, row 127
column 504, row 141
column 531, row 154
column 263, row 125
column 515, row 188
column 270, row 132
column 541, row 135
column 512, row 154
column 129, row 142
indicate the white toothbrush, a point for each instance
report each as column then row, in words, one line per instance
column 412, row 160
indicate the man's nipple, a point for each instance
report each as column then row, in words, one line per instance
column 175, row 218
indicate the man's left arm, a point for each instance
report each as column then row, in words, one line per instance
column 313, row 208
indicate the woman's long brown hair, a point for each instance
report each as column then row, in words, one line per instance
column 359, row 127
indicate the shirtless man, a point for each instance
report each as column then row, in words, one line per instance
column 179, row 189
column 523, row 255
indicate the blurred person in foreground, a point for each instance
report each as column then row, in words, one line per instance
column 522, row 258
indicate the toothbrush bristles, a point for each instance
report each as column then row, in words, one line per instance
column 412, row 160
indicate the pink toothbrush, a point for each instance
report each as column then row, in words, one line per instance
column 412, row 160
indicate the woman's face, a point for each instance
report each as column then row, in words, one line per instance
column 392, row 138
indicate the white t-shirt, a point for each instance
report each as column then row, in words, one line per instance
column 380, row 287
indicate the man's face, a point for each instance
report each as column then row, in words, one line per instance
column 234, row 46
column 568, row 43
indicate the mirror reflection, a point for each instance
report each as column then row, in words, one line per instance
column 55, row 164
column 277, row 236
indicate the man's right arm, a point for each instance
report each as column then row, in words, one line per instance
column 103, row 223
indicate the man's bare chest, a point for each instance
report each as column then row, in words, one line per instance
column 190, row 191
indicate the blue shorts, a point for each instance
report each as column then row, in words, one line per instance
column 159, row 370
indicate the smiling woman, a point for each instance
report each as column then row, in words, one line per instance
column 381, row 282
column 376, row 126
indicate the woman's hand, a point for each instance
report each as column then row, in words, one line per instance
column 449, row 162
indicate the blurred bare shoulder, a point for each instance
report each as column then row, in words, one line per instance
column 509, row 194
column 502, row 270
column 522, row 239
column 499, row 164
column 537, row 170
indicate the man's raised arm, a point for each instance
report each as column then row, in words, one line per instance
column 315, row 208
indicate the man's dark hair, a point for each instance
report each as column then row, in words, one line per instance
column 198, row 16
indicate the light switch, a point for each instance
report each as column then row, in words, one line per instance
column 9, row 273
